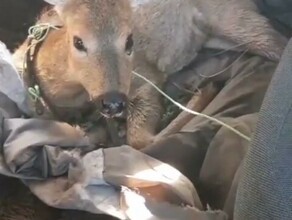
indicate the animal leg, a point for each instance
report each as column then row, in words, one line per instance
column 145, row 112
column 245, row 26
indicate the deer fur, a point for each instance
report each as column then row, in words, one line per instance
column 167, row 36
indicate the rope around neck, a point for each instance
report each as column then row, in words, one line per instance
column 38, row 32
column 191, row 111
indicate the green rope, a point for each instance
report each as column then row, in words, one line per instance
column 38, row 32
column 34, row 93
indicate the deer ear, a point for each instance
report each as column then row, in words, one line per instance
column 56, row 2
column 59, row 4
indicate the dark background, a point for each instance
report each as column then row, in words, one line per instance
column 16, row 16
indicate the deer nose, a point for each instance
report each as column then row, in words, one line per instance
column 113, row 104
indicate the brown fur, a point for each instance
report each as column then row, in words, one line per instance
column 167, row 36
column 77, row 80
column 240, row 23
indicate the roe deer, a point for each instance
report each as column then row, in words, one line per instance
column 87, row 64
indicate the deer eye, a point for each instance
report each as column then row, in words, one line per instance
column 129, row 45
column 78, row 44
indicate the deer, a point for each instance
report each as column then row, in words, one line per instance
column 86, row 65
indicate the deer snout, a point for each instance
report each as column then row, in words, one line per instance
column 113, row 104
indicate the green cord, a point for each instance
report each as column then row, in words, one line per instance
column 37, row 32
column 34, row 93
column 40, row 31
